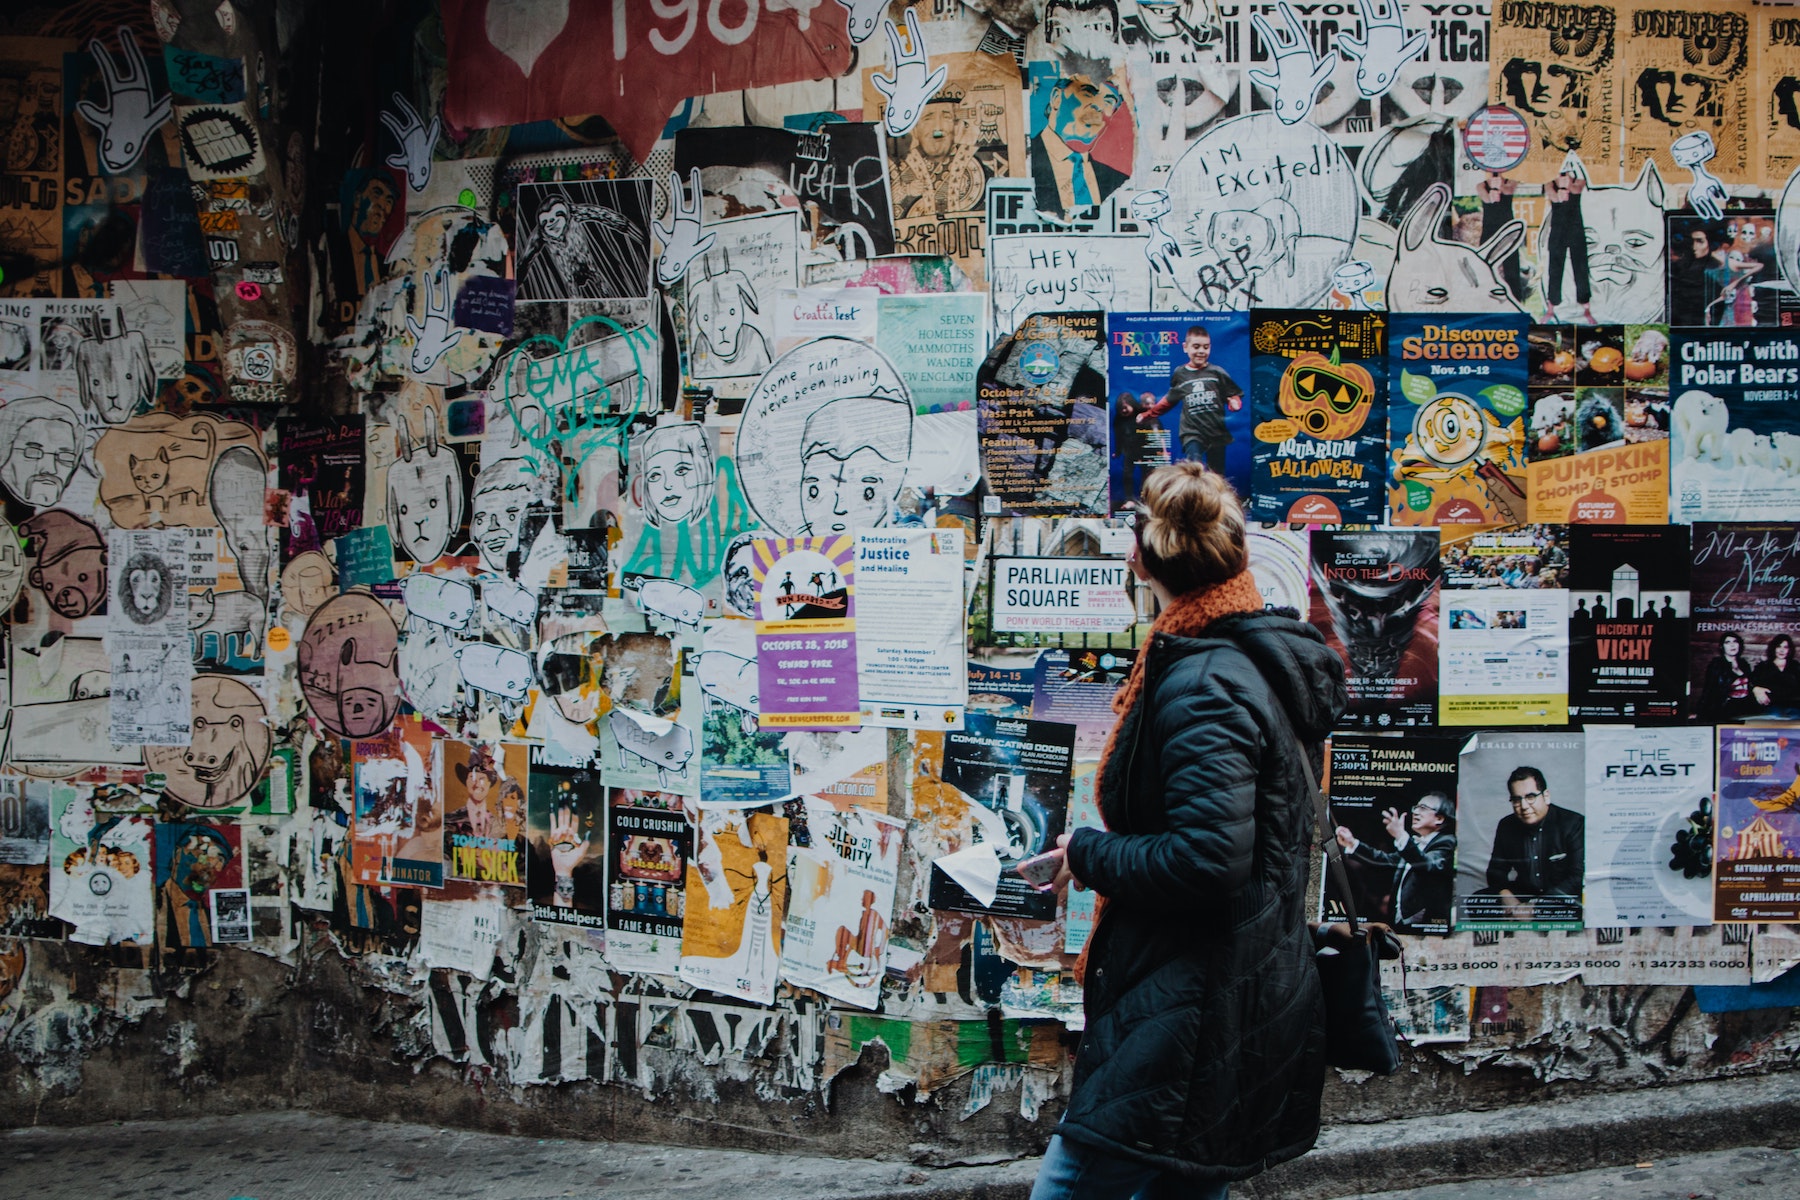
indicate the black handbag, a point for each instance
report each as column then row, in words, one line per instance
column 1359, row 1034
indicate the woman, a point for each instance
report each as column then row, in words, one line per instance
column 1725, row 692
column 1203, row 1059
column 1775, row 683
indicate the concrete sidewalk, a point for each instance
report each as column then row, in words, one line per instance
column 307, row 1156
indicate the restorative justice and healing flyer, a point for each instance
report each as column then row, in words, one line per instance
column 910, row 661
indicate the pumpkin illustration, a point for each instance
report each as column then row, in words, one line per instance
column 1329, row 400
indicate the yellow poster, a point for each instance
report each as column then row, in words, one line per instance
column 1686, row 78
column 1557, row 66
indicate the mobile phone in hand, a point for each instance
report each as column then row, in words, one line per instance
column 1040, row 871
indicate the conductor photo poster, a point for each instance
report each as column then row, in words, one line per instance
column 1393, row 814
column 1319, row 382
column 1178, row 389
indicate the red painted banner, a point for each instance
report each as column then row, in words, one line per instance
column 630, row 61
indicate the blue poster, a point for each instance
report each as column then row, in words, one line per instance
column 1178, row 387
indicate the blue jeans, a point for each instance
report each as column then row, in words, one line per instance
column 1074, row 1172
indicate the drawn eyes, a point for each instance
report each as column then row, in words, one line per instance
column 434, row 502
column 868, row 495
column 812, row 491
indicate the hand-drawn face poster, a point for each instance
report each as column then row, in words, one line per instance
column 1375, row 598
column 1393, row 813
column 969, row 130
column 1456, row 424
column 1741, row 658
column 1177, row 391
column 1319, row 380
column 1557, row 65
column 147, row 640
column 1735, row 424
column 1016, row 776
column 584, row 240
column 1521, row 847
column 1042, row 399
column 648, row 841
column 1756, row 825
column 1628, row 627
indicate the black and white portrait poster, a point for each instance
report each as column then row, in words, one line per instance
column 1521, row 854
column 147, row 644
column 584, row 240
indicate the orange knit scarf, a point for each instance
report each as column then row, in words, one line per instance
column 1187, row 616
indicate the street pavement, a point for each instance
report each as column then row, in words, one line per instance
column 304, row 1156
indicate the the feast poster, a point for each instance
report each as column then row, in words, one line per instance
column 1374, row 595
column 840, row 901
column 1456, row 419
column 1649, row 811
column 1319, row 382
column 1628, row 622
column 1735, row 424
column 1393, row 814
column 1178, row 388
column 806, row 632
column 1758, row 830
column 647, row 845
column 1016, row 775
column 1041, row 409
column 1741, row 652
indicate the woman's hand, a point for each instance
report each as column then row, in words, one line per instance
column 1064, row 876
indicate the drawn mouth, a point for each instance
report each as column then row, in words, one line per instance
column 212, row 774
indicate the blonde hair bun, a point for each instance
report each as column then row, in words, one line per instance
column 1190, row 528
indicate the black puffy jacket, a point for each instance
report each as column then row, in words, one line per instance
column 1204, row 1051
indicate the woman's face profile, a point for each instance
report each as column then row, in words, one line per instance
column 838, row 495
